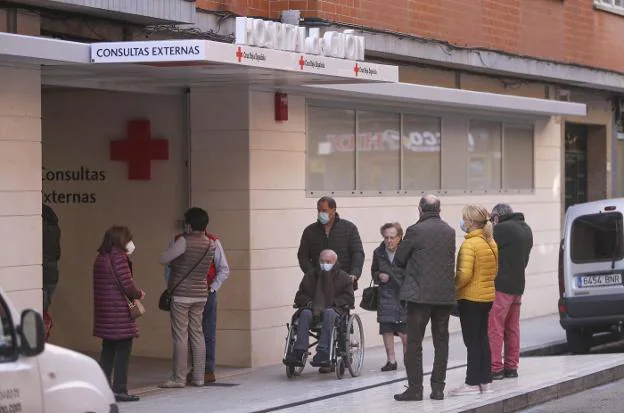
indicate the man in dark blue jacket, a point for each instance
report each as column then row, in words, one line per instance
column 515, row 240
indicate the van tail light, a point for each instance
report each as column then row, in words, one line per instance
column 563, row 309
column 560, row 271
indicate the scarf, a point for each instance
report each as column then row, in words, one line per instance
column 324, row 291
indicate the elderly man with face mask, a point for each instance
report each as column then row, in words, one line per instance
column 324, row 293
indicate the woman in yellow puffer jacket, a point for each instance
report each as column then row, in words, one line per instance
column 477, row 265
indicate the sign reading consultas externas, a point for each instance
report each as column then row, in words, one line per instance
column 150, row 51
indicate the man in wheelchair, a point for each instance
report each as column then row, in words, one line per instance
column 324, row 294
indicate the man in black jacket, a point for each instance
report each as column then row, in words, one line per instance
column 331, row 232
column 334, row 233
column 515, row 240
column 425, row 268
column 51, row 253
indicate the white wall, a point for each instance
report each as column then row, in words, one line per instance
column 280, row 210
column 20, row 185
column 78, row 126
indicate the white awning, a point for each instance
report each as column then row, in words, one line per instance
column 432, row 97
column 15, row 48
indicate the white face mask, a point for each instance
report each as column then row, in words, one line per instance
column 327, row 266
column 130, row 248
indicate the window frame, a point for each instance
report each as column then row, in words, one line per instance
column 620, row 221
column 439, row 113
column 609, row 6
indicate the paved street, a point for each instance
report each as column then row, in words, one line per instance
column 605, row 399
column 268, row 390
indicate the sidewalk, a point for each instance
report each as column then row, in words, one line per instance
column 268, row 389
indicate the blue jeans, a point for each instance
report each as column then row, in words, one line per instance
column 209, row 324
column 303, row 330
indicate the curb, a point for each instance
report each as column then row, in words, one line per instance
column 552, row 392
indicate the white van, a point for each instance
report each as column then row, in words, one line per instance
column 38, row 377
column 591, row 272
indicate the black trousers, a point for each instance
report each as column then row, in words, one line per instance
column 418, row 316
column 115, row 359
column 473, row 317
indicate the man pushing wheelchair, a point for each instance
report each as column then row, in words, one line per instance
column 324, row 294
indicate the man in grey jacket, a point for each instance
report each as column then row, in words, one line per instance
column 425, row 263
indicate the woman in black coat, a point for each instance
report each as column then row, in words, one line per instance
column 391, row 314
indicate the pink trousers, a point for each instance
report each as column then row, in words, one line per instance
column 504, row 329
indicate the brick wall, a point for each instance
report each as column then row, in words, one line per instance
column 561, row 30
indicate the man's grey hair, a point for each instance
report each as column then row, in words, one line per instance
column 429, row 203
column 501, row 210
column 331, row 253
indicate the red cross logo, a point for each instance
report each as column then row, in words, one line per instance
column 356, row 69
column 301, row 62
column 239, row 54
column 139, row 150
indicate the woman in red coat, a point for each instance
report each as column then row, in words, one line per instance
column 112, row 322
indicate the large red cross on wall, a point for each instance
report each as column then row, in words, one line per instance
column 139, row 150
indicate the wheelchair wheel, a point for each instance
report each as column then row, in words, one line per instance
column 340, row 368
column 355, row 345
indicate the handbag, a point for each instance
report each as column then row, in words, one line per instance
column 370, row 297
column 164, row 302
column 136, row 307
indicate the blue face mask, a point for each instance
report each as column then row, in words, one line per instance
column 462, row 225
column 323, row 217
column 326, row 266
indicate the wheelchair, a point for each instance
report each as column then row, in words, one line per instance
column 346, row 344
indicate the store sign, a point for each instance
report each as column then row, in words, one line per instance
column 150, row 51
column 82, row 174
column 388, row 140
column 281, row 36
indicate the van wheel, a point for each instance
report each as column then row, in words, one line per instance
column 579, row 342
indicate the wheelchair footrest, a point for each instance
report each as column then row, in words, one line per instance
column 290, row 363
column 323, row 364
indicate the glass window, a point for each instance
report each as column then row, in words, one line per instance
column 331, row 149
column 421, row 153
column 484, row 155
column 378, row 147
column 7, row 335
column 518, row 157
column 597, row 237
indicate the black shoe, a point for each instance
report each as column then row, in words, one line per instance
column 498, row 375
column 320, row 359
column 295, row 358
column 437, row 395
column 389, row 366
column 325, row 370
column 409, row 395
column 511, row 374
column 125, row 397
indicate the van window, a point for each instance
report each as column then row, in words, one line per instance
column 8, row 350
column 597, row 237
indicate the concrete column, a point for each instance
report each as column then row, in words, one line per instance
column 220, row 184
column 20, row 185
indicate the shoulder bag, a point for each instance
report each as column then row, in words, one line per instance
column 135, row 307
column 164, row 302
column 370, row 297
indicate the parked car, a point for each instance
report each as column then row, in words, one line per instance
column 591, row 269
column 40, row 377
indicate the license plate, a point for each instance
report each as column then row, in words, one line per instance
column 599, row 280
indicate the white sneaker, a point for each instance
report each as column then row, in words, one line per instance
column 465, row 390
column 486, row 388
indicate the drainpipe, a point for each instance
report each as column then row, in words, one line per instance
column 11, row 20
column 189, row 147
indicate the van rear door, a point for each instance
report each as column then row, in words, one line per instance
column 596, row 254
